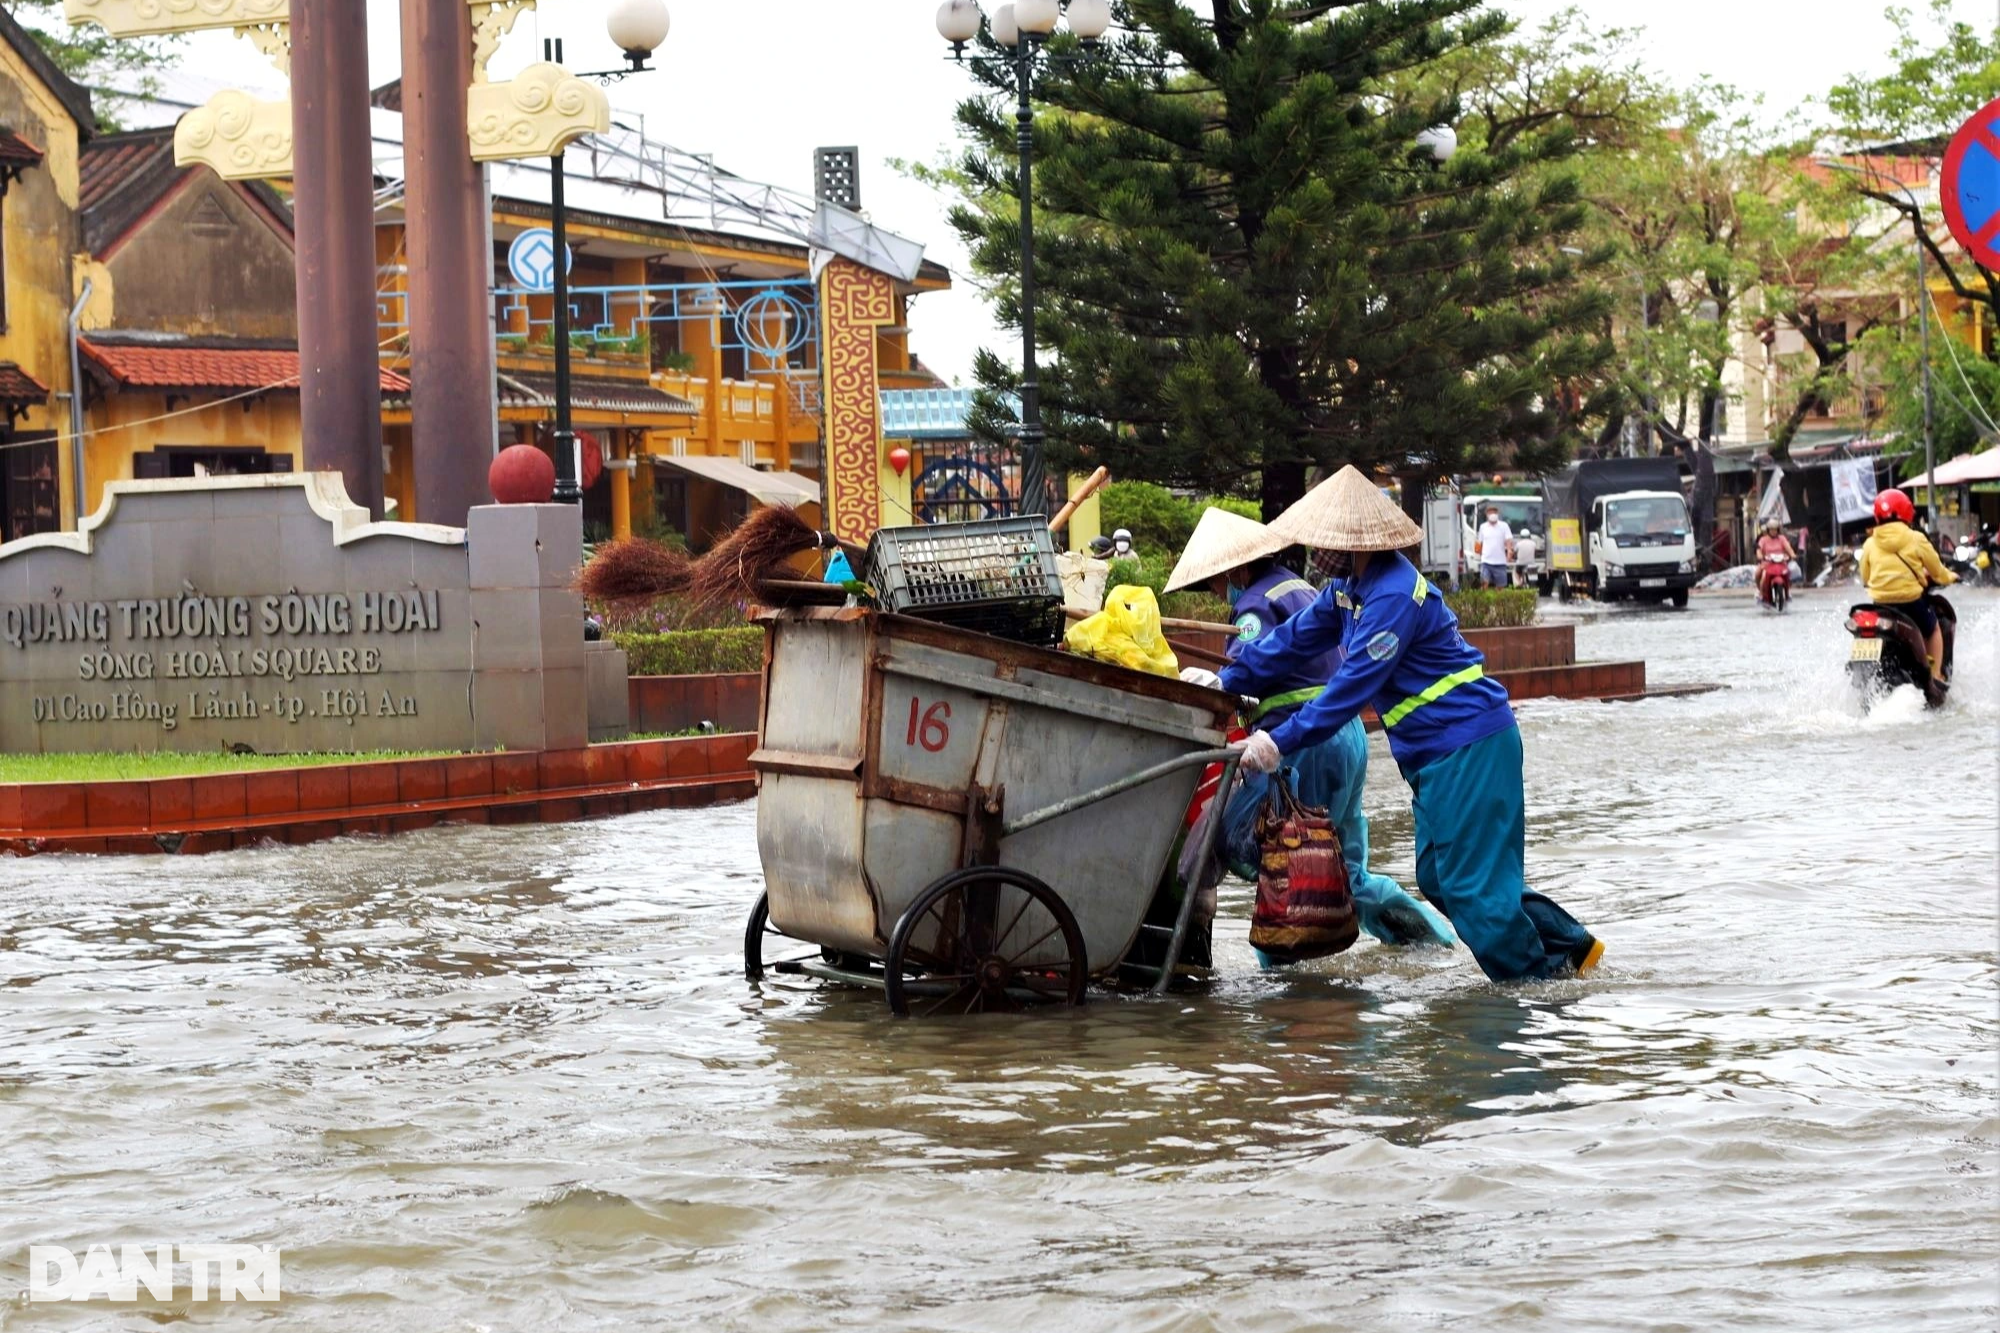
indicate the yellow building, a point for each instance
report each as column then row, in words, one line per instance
column 696, row 348
column 44, row 120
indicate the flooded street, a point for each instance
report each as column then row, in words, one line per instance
column 512, row 1078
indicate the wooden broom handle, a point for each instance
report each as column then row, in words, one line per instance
column 1083, row 492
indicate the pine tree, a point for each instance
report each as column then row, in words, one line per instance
column 1248, row 268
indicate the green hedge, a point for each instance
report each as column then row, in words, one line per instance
column 1160, row 521
column 1492, row 608
column 694, row 652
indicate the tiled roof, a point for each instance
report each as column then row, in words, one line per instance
column 205, row 365
column 595, row 395
column 110, row 160
column 16, row 151
column 122, row 176
column 18, row 386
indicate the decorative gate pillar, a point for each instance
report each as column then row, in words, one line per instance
column 855, row 304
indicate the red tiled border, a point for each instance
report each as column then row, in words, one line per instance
column 219, row 811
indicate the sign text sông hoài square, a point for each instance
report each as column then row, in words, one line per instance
column 268, row 613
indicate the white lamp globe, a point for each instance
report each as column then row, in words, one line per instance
column 1089, row 19
column 958, row 21
column 1037, row 18
column 1440, row 141
column 639, row 27
column 1005, row 32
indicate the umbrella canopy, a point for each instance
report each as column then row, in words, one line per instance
column 1961, row 471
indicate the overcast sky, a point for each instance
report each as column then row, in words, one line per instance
column 760, row 83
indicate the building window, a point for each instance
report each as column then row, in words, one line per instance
column 30, row 490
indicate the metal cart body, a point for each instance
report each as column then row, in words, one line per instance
column 894, row 752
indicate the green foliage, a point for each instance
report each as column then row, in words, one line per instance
column 92, row 56
column 1965, row 395
column 1248, row 269
column 1936, row 83
column 1492, row 608
column 1204, row 606
column 656, row 529
column 634, row 344
column 663, row 615
column 1159, row 520
column 693, row 652
column 680, row 363
column 1141, row 571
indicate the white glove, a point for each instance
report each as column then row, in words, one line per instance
column 1260, row 753
column 1201, row 676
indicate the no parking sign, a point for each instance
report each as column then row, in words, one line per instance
column 1970, row 188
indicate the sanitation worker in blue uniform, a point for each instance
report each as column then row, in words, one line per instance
column 1395, row 645
column 1232, row 555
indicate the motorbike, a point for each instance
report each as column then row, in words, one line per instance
column 1981, row 557
column 1888, row 650
column 1962, row 558
column 1777, row 592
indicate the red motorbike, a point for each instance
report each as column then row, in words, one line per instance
column 1777, row 572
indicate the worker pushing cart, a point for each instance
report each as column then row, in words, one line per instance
column 1450, row 727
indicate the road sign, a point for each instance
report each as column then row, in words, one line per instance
column 532, row 259
column 1970, row 189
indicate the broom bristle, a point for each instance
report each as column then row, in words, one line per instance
column 634, row 569
column 756, row 549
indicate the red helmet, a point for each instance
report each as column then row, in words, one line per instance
column 1893, row 504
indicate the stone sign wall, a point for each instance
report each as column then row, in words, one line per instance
column 268, row 613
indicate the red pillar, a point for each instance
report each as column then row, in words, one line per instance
column 451, row 267
column 340, row 386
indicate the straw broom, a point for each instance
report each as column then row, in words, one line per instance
column 634, row 570
column 757, row 552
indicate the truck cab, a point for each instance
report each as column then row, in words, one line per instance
column 1619, row 529
column 1640, row 544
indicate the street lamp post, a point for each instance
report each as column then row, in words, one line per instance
column 638, row 27
column 1023, row 26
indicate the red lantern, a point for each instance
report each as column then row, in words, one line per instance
column 521, row 474
column 899, row 459
column 593, row 458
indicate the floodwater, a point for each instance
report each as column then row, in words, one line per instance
column 483, row 1078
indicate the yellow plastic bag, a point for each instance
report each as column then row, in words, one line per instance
column 1127, row 631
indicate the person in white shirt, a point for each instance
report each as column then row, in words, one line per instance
column 1496, row 549
column 1524, row 556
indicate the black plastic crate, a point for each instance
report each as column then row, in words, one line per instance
column 996, row 575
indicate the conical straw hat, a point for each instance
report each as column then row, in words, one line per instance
column 1221, row 542
column 1347, row 512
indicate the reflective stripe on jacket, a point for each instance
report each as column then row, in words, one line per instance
column 1398, row 649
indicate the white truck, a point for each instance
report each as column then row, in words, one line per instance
column 1619, row 529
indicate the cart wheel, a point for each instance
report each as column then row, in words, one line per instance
column 979, row 923
column 759, row 934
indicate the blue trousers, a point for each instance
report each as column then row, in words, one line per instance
column 1333, row 775
column 1471, row 863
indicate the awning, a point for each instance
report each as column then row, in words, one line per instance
column 769, row 488
column 1963, row 470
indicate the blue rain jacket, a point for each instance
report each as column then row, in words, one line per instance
column 1261, row 608
column 1399, row 649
